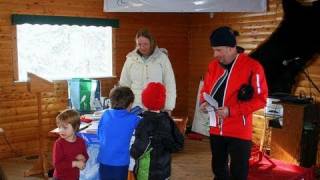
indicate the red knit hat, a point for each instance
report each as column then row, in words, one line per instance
column 154, row 96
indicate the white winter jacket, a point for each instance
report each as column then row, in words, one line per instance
column 137, row 73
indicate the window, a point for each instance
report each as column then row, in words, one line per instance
column 59, row 51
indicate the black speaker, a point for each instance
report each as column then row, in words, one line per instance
column 309, row 144
column 296, row 141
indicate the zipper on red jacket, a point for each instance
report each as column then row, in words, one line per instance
column 231, row 69
column 244, row 120
column 215, row 87
column 220, row 125
column 221, row 79
column 225, row 89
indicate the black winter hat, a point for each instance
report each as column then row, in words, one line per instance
column 223, row 36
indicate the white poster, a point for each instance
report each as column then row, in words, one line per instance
column 200, row 122
column 185, row 5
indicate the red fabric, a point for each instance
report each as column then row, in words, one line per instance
column 256, row 154
column 272, row 169
column 86, row 120
column 195, row 136
column 239, row 123
column 63, row 154
column 154, row 96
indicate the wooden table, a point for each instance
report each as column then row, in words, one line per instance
column 181, row 122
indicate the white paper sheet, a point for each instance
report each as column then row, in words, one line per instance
column 210, row 100
column 213, row 106
column 212, row 116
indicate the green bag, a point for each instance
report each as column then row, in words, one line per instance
column 144, row 165
column 82, row 93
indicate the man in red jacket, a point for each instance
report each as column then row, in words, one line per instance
column 238, row 84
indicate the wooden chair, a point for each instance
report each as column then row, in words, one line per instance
column 261, row 141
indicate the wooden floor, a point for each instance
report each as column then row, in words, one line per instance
column 190, row 164
column 194, row 162
column 14, row 168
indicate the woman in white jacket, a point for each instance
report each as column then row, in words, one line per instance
column 148, row 63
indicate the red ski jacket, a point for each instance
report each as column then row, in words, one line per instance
column 244, row 70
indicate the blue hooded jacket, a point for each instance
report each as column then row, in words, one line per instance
column 115, row 130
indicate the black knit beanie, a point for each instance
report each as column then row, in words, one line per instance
column 223, row 36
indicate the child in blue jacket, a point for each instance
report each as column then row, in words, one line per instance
column 115, row 131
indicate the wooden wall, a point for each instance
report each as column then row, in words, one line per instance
column 254, row 28
column 184, row 35
column 18, row 107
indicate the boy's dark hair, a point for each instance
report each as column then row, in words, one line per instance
column 69, row 116
column 121, row 97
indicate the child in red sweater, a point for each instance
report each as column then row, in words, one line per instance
column 69, row 151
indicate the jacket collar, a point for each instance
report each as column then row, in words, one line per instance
column 136, row 56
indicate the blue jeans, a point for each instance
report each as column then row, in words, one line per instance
column 113, row 172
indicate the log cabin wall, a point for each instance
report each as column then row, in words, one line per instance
column 184, row 35
column 18, row 107
column 254, row 28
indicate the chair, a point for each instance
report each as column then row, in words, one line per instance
column 259, row 149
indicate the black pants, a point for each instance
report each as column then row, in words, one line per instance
column 239, row 152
